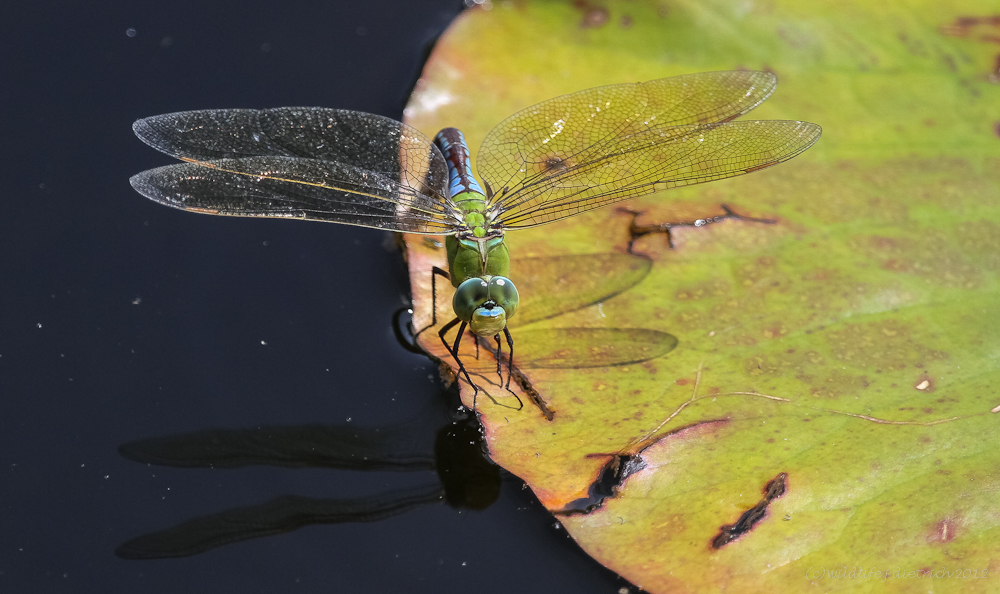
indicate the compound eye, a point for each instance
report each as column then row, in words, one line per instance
column 504, row 293
column 470, row 295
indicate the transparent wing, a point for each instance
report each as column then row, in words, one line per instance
column 289, row 187
column 581, row 151
column 312, row 163
column 652, row 161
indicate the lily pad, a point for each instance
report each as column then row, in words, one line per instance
column 826, row 418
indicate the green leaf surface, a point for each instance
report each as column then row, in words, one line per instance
column 827, row 412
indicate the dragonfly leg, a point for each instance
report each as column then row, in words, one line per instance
column 510, row 365
column 510, row 356
column 454, row 353
column 499, row 359
column 435, row 272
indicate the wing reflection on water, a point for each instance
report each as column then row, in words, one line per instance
column 466, row 478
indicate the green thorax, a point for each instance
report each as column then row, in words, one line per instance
column 471, row 257
column 477, row 250
column 473, row 207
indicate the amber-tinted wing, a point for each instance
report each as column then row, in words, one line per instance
column 310, row 163
column 588, row 149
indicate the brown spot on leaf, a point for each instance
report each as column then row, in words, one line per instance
column 943, row 531
column 818, row 275
column 774, row 332
column 897, row 266
column 963, row 25
column 697, row 292
column 879, row 242
column 615, row 471
column 594, row 16
column 984, row 29
column 621, row 465
column 774, row 489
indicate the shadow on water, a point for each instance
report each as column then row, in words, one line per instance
column 466, row 478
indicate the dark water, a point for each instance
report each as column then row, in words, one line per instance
column 123, row 320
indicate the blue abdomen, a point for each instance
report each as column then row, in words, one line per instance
column 456, row 153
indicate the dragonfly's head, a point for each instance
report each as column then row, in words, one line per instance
column 486, row 303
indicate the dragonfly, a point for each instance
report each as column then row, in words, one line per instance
column 556, row 159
